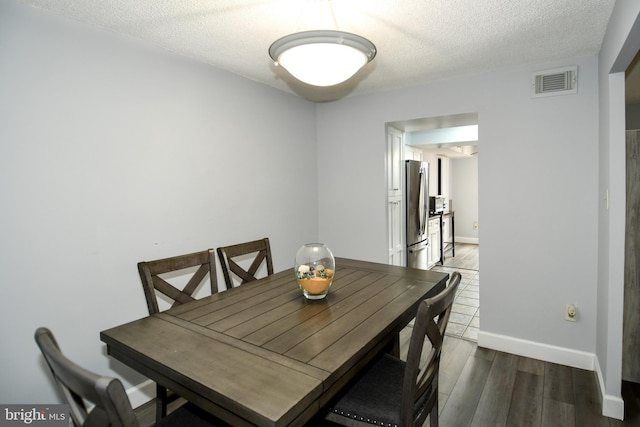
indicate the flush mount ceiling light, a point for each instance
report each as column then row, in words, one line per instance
column 322, row 57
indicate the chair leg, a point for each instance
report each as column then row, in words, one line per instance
column 433, row 416
column 161, row 402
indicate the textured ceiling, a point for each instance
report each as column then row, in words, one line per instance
column 417, row 40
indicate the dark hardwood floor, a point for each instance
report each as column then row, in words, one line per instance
column 481, row 387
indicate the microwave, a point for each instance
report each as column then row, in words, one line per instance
column 437, row 204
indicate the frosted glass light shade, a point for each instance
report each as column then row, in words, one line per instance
column 323, row 57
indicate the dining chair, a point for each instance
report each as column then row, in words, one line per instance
column 154, row 277
column 155, row 280
column 232, row 256
column 111, row 406
column 398, row 393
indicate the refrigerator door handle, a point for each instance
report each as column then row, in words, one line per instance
column 421, row 248
column 422, row 202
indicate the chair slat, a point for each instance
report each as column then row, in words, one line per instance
column 152, row 282
column 230, row 266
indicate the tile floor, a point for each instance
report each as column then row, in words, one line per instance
column 465, row 313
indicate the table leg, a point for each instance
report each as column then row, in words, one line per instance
column 394, row 346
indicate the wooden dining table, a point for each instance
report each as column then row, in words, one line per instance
column 262, row 354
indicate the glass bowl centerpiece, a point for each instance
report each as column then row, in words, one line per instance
column 314, row 268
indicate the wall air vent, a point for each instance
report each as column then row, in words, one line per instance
column 560, row 81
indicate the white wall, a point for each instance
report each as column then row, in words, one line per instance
column 464, row 193
column 535, row 153
column 113, row 152
column 620, row 45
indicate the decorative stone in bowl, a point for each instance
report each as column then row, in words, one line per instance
column 314, row 267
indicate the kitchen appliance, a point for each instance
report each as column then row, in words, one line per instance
column 437, row 204
column 417, row 212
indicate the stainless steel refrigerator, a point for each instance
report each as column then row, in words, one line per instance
column 417, row 211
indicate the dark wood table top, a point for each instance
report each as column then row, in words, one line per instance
column 261, row 353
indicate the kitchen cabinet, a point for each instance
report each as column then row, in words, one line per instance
column 394, row 162
column 433, row 256
column 395, row 167
column 412, row 153
column 396, row 245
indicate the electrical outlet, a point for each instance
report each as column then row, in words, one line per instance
column 571, row 312
column 475, row 225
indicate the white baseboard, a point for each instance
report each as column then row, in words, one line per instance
column 536, row 350
column 471, row 240
column 612, row 406
column 142, row 393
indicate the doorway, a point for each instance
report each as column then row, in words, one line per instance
column 450, row 145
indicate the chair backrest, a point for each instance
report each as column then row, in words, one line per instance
column 230, row 256
column 152, row 282
column 421, row 372
column 112, row 406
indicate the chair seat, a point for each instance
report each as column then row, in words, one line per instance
column 376, row 397
column 189, row 415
